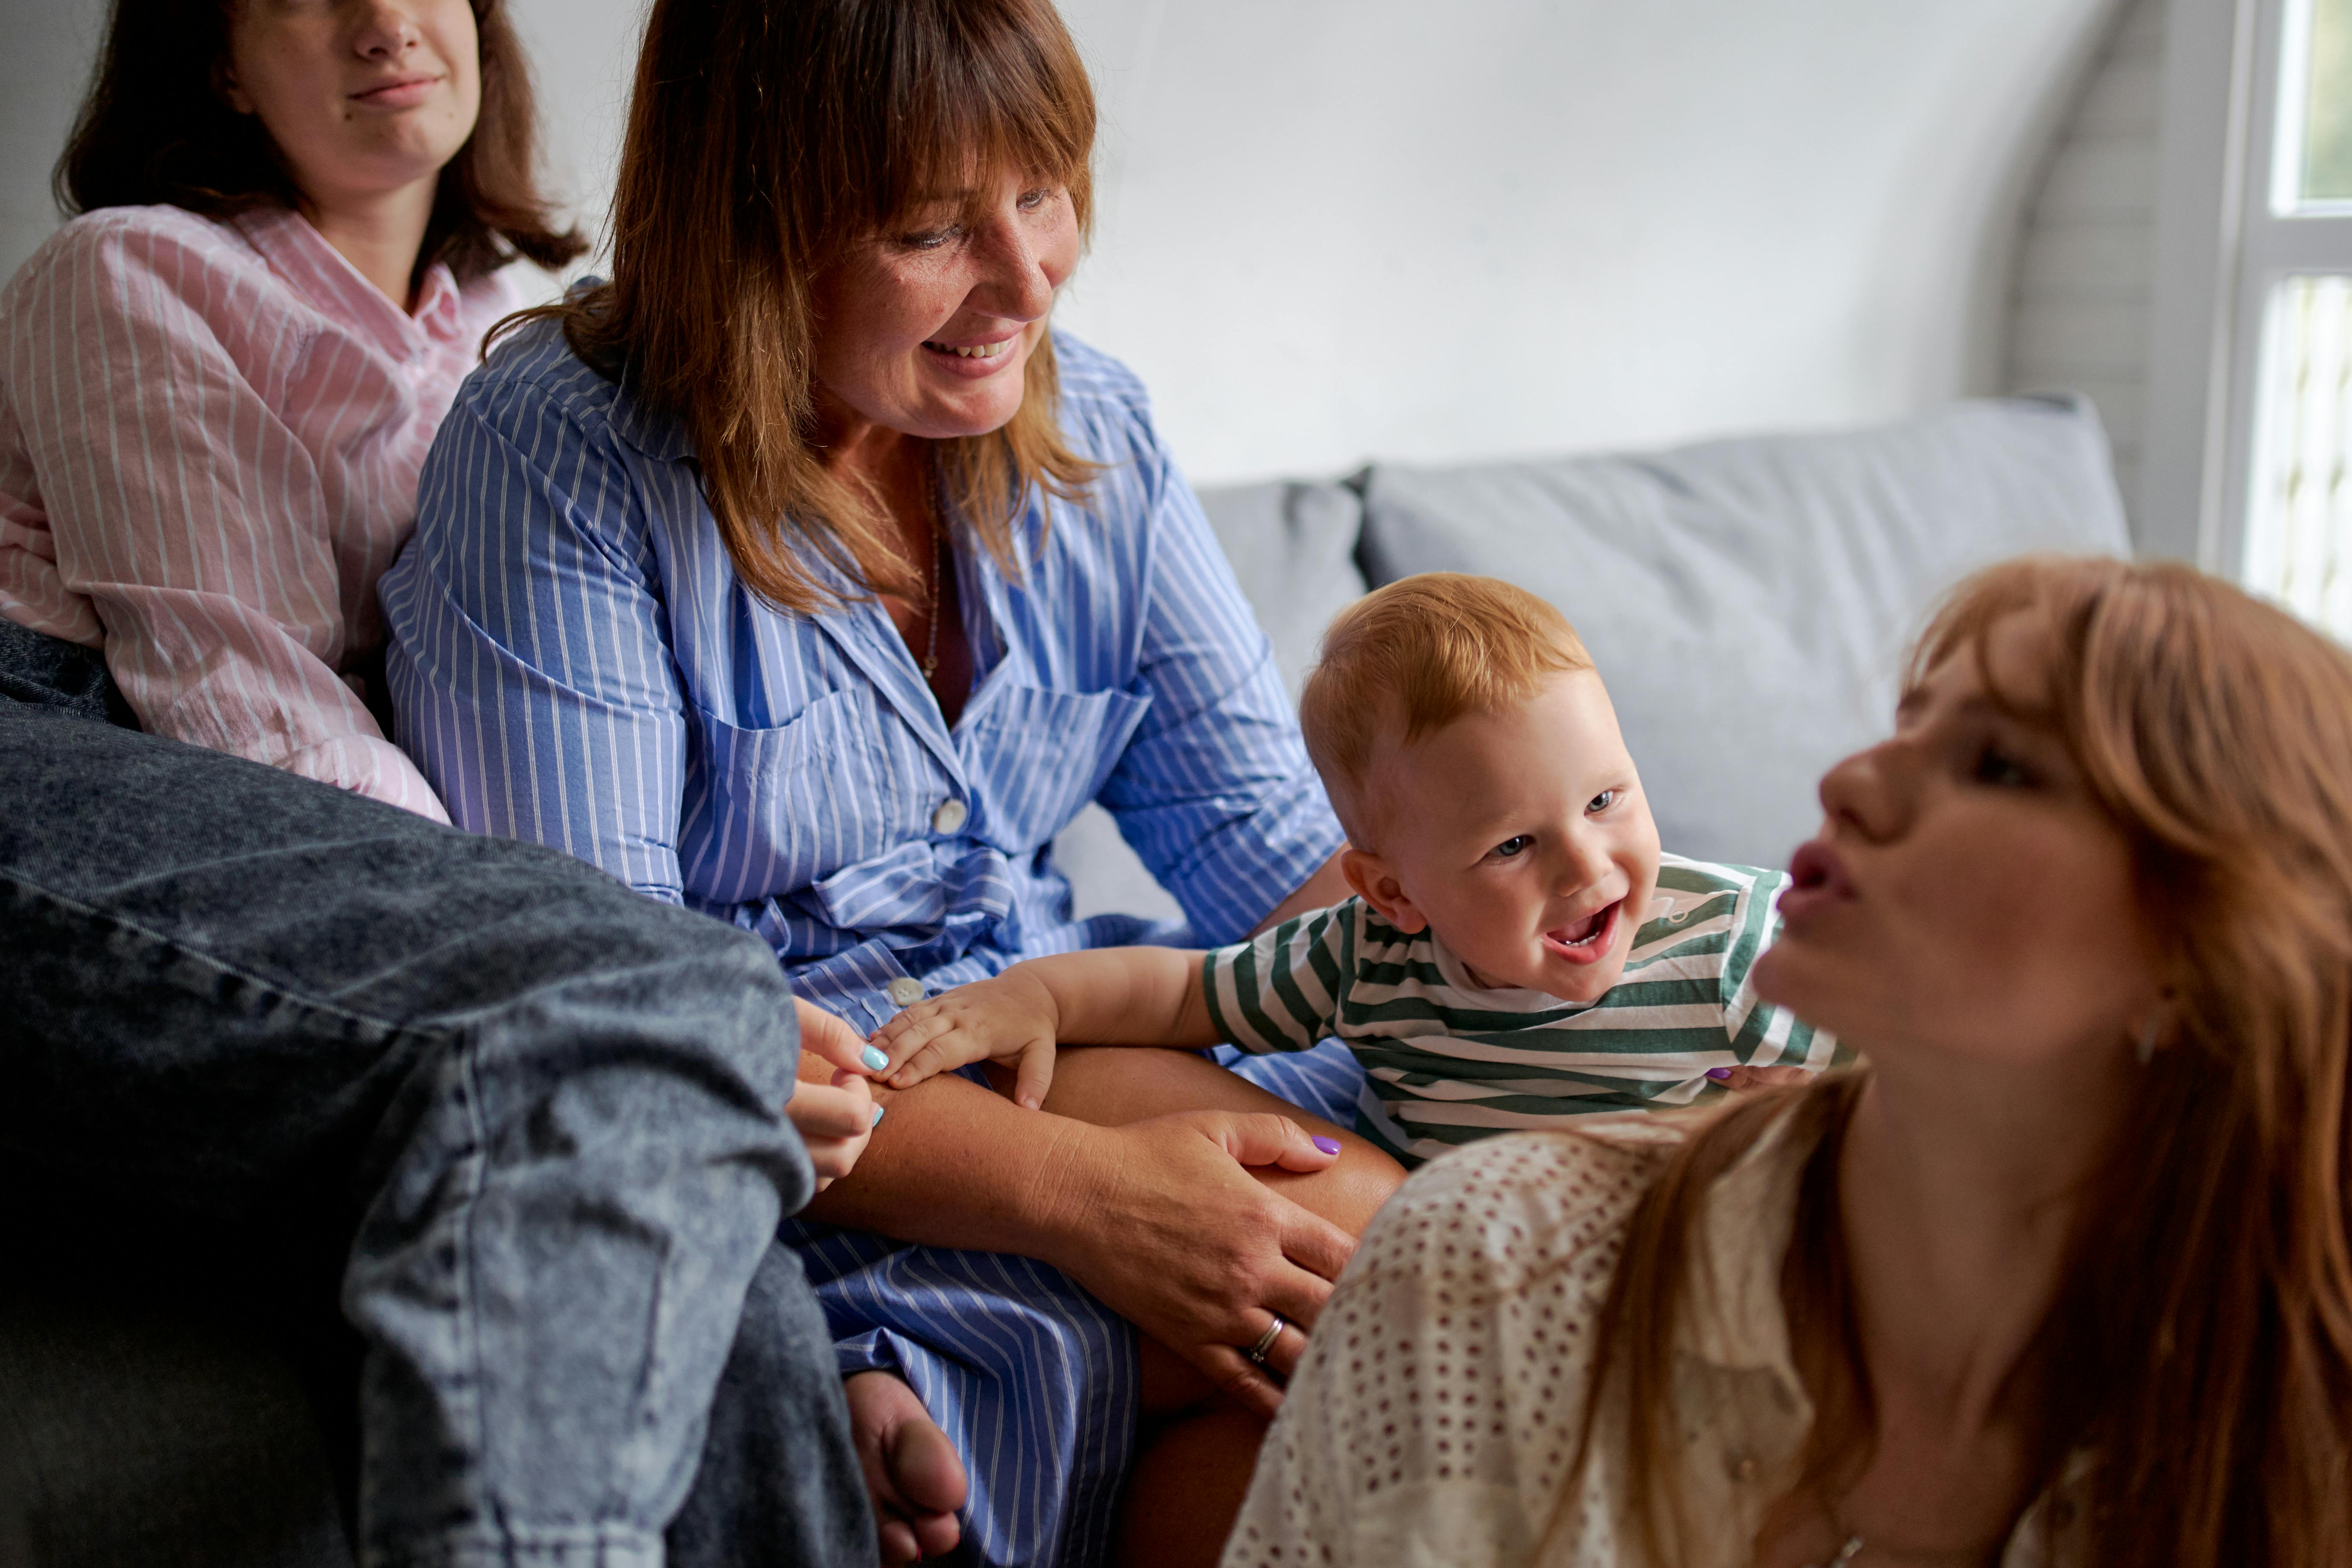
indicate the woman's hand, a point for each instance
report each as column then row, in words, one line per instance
column 1162, row 1221
column 1009, row 1018
column 832, row 1106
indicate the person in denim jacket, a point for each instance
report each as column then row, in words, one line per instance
column 538, row 1132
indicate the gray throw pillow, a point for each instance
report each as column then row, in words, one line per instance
column 1293, row 547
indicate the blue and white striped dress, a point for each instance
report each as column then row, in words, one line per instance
column 575, row 662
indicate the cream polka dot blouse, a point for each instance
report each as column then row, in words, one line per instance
column 1436, row 1414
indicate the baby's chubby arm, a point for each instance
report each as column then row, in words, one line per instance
column 1108, row 996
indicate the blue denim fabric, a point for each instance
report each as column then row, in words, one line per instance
column 544, row 1110
column 50, row 672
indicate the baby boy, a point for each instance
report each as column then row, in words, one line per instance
column 1517, row 951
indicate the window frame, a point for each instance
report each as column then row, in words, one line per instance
column 2222, row 248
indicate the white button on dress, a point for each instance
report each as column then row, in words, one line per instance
column 905, row 991
column 949, row 816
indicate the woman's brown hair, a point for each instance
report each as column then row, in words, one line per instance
column 763, row 137
column 2201, row 1346
column 154, row 129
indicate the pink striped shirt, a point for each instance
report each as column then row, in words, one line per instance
column 210, row 433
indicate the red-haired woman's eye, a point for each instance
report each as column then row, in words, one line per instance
column 1996, row 768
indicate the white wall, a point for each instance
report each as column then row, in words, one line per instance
column 1332, row 229
column 1382, row 227
column 43, row 68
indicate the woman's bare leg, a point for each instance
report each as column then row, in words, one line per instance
column 1190, row 1478
column 1192, row 1465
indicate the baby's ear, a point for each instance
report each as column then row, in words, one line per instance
column 1377, row 885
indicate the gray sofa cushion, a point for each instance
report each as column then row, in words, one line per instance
column 1750, row 601
column 1293, row 547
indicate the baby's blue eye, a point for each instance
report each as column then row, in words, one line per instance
column 1600, row 803
column 1510, row 848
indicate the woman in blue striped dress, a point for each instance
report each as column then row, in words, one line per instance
column 800, row 576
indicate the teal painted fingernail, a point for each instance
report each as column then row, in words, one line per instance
column 878, row 1118
column 876, row 1058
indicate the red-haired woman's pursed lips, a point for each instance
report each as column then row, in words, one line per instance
column 1588, row 940
column 403, row 92
column 1818, row 883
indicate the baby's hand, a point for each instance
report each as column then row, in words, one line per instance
column 1009, row 1018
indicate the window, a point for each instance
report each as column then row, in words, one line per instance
column 2296, row 540
column 2250, row 458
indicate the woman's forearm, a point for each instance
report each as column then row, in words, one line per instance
column 952, row 1165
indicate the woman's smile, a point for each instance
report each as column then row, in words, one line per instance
column 401, row 92
column 978, row 360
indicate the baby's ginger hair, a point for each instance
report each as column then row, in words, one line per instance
column 1411, row 658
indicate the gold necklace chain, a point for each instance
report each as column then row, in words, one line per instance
column 932, row 638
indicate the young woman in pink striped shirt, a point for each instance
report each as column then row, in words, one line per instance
column 217, row 382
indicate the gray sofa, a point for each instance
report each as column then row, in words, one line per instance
column 1747, row 600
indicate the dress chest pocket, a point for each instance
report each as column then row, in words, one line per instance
column 780, row 808
column 1040, row 756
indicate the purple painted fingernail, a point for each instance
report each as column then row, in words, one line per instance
column 1720, row 1075
column 1329, row 1145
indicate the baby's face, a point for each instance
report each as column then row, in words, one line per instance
column 1522, row 839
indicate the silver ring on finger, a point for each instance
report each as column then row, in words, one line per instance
column 1256, row 1353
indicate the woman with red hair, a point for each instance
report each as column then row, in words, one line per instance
column 2063, row 1276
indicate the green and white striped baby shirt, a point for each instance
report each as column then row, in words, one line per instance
column 1450, row 1062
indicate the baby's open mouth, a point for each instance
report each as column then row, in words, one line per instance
column 1585, row 940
